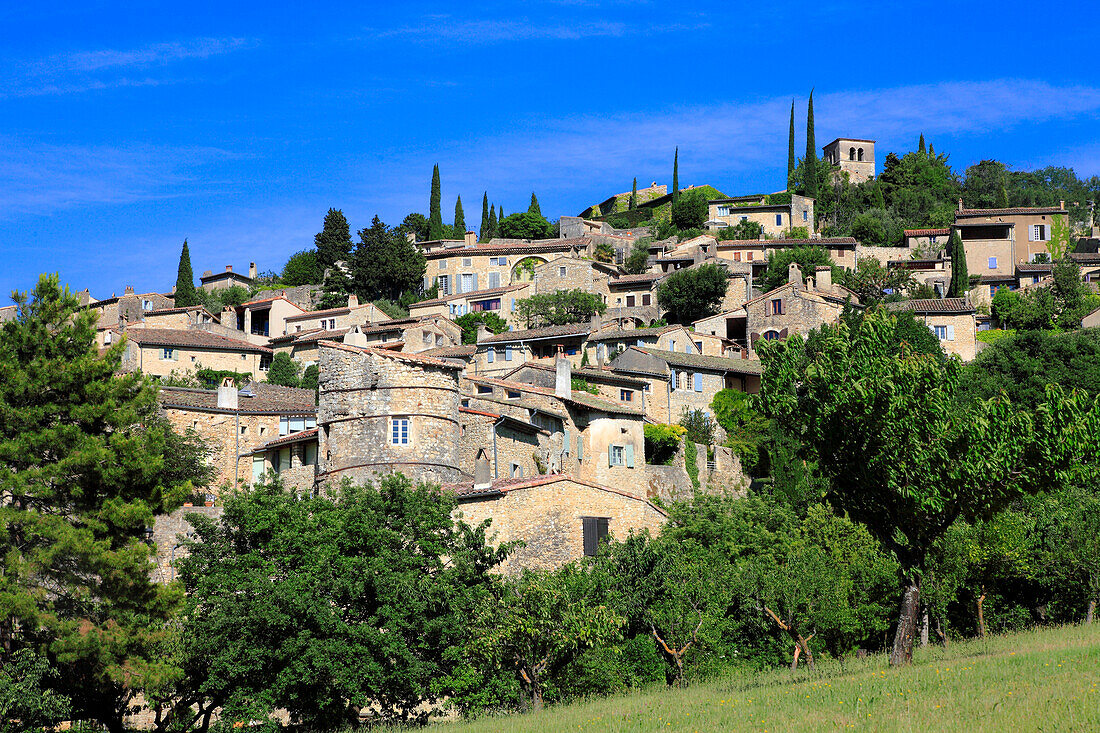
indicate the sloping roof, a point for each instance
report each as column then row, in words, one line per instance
column 632, row 279
column 509, row 249
column 190, row 338
column 1011, row 210
column 734, row 313
column 272, row 299
column 607, row 375
column 265, row 399
column 397, row 355
column 451, row 352
column 500, row 487
column 182, row 309
column 850, row 140
column 584, row 399
column 301, row 436
column 627, row 333
column 947, row 306
column 699, row 361
column 306, row 315
column 473, row 294
column 534, row 334
column 1035, row 267
column 733, row 243
column 926, row 232
column 1085, row 258
column 839, row 295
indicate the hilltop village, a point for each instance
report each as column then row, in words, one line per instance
column 539, row 377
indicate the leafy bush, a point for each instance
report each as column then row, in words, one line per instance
column 470, row 322
column 689, row 211
column 995, row 335
column 744, row 229
column 525, row 225
column 559, row 308
column 283, row 371
column 302, row 269
column 661, row 442
column 693, row 293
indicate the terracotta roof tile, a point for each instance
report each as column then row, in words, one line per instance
column 1011, row 210
column 265, row 399
column 517, row 249
column 532, row 334
column 699, row 361
column 298, row 437
column 473, row 294
column 926, row 232
column 630, row 279
column 190, row 338
column 933, row 305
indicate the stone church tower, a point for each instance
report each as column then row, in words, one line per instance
column 855, row 157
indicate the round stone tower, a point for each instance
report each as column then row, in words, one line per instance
column 382, row 412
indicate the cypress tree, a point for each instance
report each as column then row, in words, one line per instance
column 960, row 279
column 809, row 183
column 185, row 281
column 920, row 146
column 634, row 195
column 676, row 176
column 485, row 232
column 492, row 223
column 500, row 217
column 460, row 220
column 790, row 152
column 932, row 150
column 534, row 207
column 333, row 242
column 435, row 213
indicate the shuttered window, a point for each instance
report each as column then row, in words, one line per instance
column 593, row 529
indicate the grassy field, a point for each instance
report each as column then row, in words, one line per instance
column 1036, row 681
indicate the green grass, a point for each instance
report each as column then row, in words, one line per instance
column 1044, row 680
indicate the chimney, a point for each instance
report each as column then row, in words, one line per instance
column 563, row 378
column 229, row 317
column 595, row 321
column 129, row 290
column 482, row 477
column 227, row 395
column 252, row 270
column 229, row 268
column 208, row 273
column 482, row 332
column 794, row 275
column 809, row 284
column 1062, row 205
column 824, row 278
column 353, row 301
column 960, row 204
column 355, row 337
column 470, row 239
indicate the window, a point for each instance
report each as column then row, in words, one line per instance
column 265, row 362
column 257, row 468
column 494, row 280
column 168, row 354
column 444, row 283
column 771, row 335
column 736, row 256
column 626, row 395
column 469, row 282
column 263, row 430
column 698, row 382
column 851, row 153
column 1038, row 232
column 466, row 262
column 283, row 460
column 146, row 305
column 297, row 329
column 517, row 471
column 593, row 529
column 513, row 305
column 992, row 263
column 617, row 455
column 992, row 290
column 107, row 337
column 491, row 355
column 309, row 454
column 777, row 307
column 630, row 301
column 748, row 256
column 484, row 389
column 805, row 216
column 941, row 332
column 508, row 353
column 399, row 431
column 512, row 394
column 443, row 264
column 860, row 153
column 570, row 350
column 779, row 220
column 492, row 261
column 426, row 338
column 244, row 430
column 502, row 261
column 332, row 324
column 645, row 298
column 699, row 346
column 671, row 345
column 561, row 272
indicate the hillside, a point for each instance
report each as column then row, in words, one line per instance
column 1044, row 680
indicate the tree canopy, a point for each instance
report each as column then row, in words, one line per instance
column 693, row 293
column 302, row 269
column 808, row 259
column 559, row 308
column 525, row 225
column 333, row 242
column 185, row 295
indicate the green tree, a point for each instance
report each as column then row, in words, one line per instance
column 790, row 152
column 699, row 426
column 744, row 229
column 309, row 377
column 539, row 624
column 1022, row 365
column 1069, row 535
column 923, row 459
column 435, row 211
column 869, row 228
column 693, row 293
column 86, row 464
column 676, row 176
column 26, row 701
column 603, row 252
column 326, row 604
column 689, row 211
column 470, row 322
column 534, row 207
column 634, row 195
column 960, row 279
column 283, row 371
column 746, row 429
column 808, row 259
column 524, row 225
column 872, row 281
column 485, row 230
column 637, row 261
column 415, row 224
column 333, row 242
column 185, row 295
column 920, row 145
column 559, row 308
column 385, row 264
column 460, row 220
column 493, row 228
column 810, row 161
column 301, row 269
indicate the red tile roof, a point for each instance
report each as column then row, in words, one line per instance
column 628, row 279
column 532, row 334
column 947, row 306
column 265, row 399
column 926, row 232
column 298, row 437
column 1011, row 210
column 190, row 338
column 505, row 249
column 731, row 243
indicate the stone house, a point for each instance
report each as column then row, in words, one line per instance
column 996, row 240
column 408, row 335
column 842, row 250
column 260, row 320
column 382, row 412
column 854, row 156
column 333, row 319
column 501, row 301
column 1092, row 320
column 608, row 384
column 776, row 219
column 292, row 457
column 511, row 444
column 679, row 381
column 935, row 273
column 162, row 351
column 574, row 273
column 927, row 243
column 633, row 297
column 223, row 280
column 952, row 320
column 796, row 307
column 730, row 327
column 559, row 518
column 194, row 316
column 499, row 353
column 603, row 345
column 117, row 312
column 486, row 266
column 237, row 422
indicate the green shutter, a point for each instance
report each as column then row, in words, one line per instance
column 610, row 458
column 565, row 442
column 629, row 455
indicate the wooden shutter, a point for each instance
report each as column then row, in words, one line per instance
column 629, row 454
column 475, row 282
column 490, row 355
column 950, row 333
column 601, row 529
column 565, row 442
column 698, row 382
column 590, row 532
column 580, row 448
column 610, row 457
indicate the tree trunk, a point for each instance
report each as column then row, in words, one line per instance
column 1091, row 613
column 924, row 630
column 981, row 613
column 902, row 652
column 536, row 698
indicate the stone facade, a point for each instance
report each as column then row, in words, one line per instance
column 502, row 301
column 332, row 319
column 573, row 273
column 466, row 269
column 996, row 240
column 383, row 412
column 169, row 533
column 854, row 156
column 509, row 444
column 952, row 320
column 130, row 307
column 547, row 514
column 776, row 219
column 500, row 353
column 260, row 320
column 796, row 307
column 161, row 352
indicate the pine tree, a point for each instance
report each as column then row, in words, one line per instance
column 435, row 213
column 534, row 207
column 485, row 233
column 920, row 145
column 185, row 281
column 492, row 223
column 932, row 151
column 960, row 279
column 460, row 220
column 333, row 242
column 809, row 183
column 790, row 152
column 634, row 195
column 676, row 176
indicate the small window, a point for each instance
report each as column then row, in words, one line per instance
column 508, row 353
column 941, row 332
column 777, row 307
column 593, row 530
column 516, row 471
column 992, row 263
column 263, row 430
column 513, row 394
column 491, row 355
column 466, row 262
column 748, row 256
column 645, row 298
column 167, row 354
column 626, row 395
column 561, row 272
column 147, row 305
column 107, row 337
column 399, row 431
column 736, row 256
column 699, row 346
column 244, row 430
column 771, row 335
column 443, row 264
column 779, row 220
column 805, row 216
column 484, row 389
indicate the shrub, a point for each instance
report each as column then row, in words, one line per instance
column 698, row 425
column 689, row 211
column 661, row 442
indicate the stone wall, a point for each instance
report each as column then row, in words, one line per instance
column 189, row 360
column 579, row 274
column 801, row 314
column 962, row 336
column 227, row 439
column 360, row 395
column 168, row 531
column 547, row 517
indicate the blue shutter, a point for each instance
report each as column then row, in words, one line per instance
column 629, row 455
column 508, row 353
column 565, row 442
column 698, row 382
column 490, row 355
column 610, row 459
column 475, row 282
column 580, row 448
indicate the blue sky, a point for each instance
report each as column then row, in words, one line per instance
column 128, row 126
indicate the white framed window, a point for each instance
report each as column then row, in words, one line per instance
column 146, row 305
column 941, row 332
column 444, row 283
column 467, row 262
column 516, row 471
column 494, row 279
column 468, row 282
column 617, row 455
column 443, row 264
column 399, row 431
